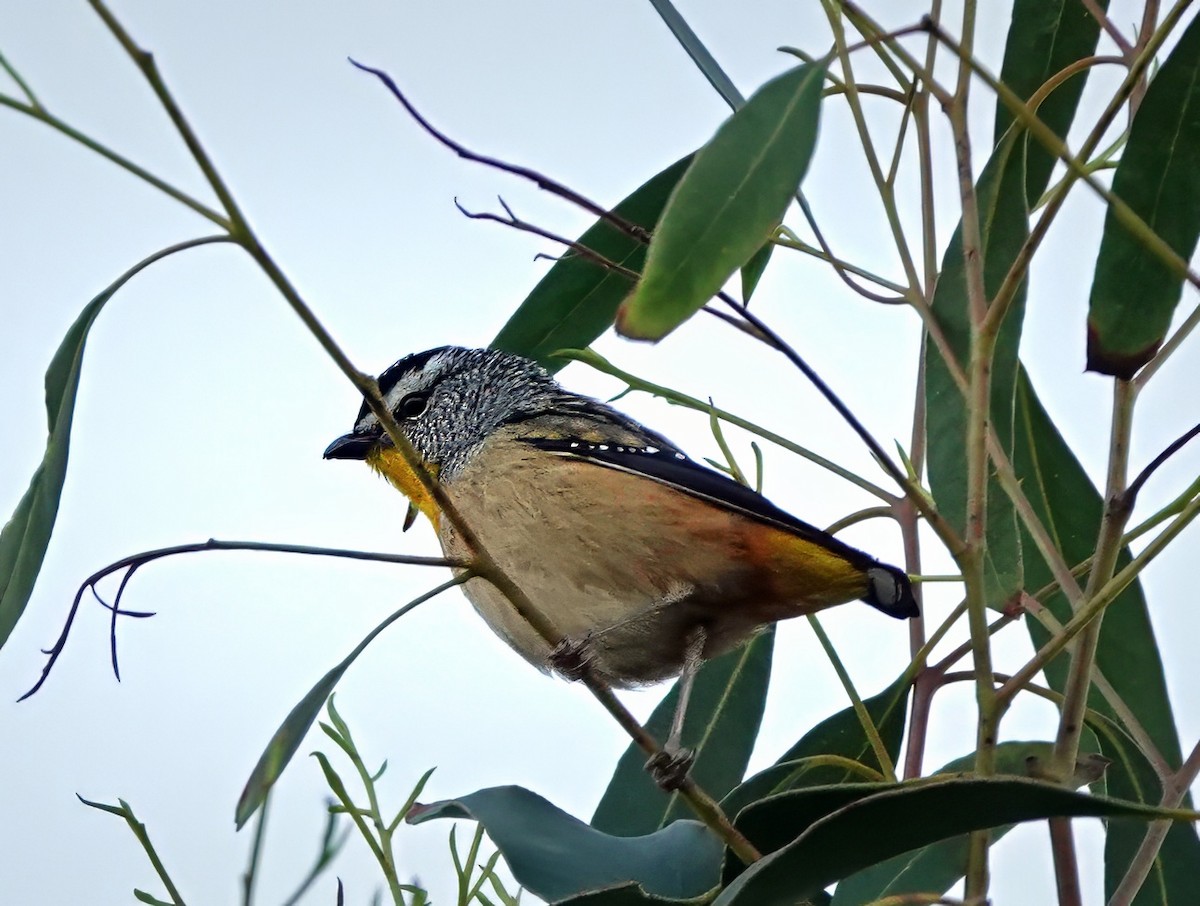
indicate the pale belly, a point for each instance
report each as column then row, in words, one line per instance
column 625, row 564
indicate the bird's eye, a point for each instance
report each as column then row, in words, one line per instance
column 413, row 405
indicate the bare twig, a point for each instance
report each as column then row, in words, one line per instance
column 135, row 561
column 1136, row 485
column 538, row 179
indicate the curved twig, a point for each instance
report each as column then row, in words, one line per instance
column 135, row 561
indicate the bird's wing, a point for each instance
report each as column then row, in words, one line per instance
column 670, row 467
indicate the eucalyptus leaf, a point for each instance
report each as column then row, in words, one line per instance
column 1134, row 292
column 556, row 856
column 728, row 204
column 577, row 299
column 721, row 725
column 819, row 836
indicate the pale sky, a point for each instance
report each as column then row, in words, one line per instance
column 205, row 406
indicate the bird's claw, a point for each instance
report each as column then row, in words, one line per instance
column 670, row 767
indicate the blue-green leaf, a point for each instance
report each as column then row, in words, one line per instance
column 555, row 855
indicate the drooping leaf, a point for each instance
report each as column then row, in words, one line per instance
column 1070, row 506
column 753, row 270
column 727, row 204
column 286, row 740
column 1004, row 225
column 1134, row 292
column 1044, row 37
column 723, row 717
column 555, row 855
column 939, row 866
column 26, row 536
column 841, row 734
column 577, row 299
column 818, row 836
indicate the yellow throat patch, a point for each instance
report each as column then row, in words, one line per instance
column 389, row 463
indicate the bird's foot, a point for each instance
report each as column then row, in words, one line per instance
column 670, row 767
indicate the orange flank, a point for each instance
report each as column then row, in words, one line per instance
column 800, row 571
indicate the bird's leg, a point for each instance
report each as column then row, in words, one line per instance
column 571, row 656
column 670, row 767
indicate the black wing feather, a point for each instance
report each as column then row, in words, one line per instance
column 670, row 467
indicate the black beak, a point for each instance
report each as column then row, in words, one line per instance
column 351, row 446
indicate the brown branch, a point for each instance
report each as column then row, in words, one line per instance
column 540, row 180
column 135, row 561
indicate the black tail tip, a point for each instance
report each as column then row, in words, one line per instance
column 889, row 590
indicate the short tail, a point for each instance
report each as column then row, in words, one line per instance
column 889, row 590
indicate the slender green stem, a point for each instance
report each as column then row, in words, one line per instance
column 250, row 876
column 1174, row 790
column 886, row 194
column 1108, row 548
column 21, row 83
column 1096, row 603
column 43, row 116
column 1128, row 719
column 860, row 710
column 791, row 241
column 598, row 362
column 123, row 810
column 842, row 273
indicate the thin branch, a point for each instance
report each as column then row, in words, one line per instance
column 1110, row 29
column 1108, row 549
column 510, row 219
column 789, row 240
column 22, row 84
column 675, row 397
column 1135, row 486
column 920, row 499
column 841, row 270
column 42, row 115
column 1174, row 789
column 540, row 180
column 135, row 561
column 1096, row 603
column 1173, row 342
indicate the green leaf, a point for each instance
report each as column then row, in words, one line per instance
column 728, row 203
column 1004, row 226
column 626, row 895
column 577, row 299
column 754, row 268
column 938, row 867
column 1134, row 293
column 841, row 734
column 1128, row 655
column 26, row 536
column 555, row 855
column 1044, row 37
column 283, row 745
column 722, row 722
column 818, row 836
column 286, row 740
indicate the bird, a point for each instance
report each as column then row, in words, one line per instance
column 646, row 562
